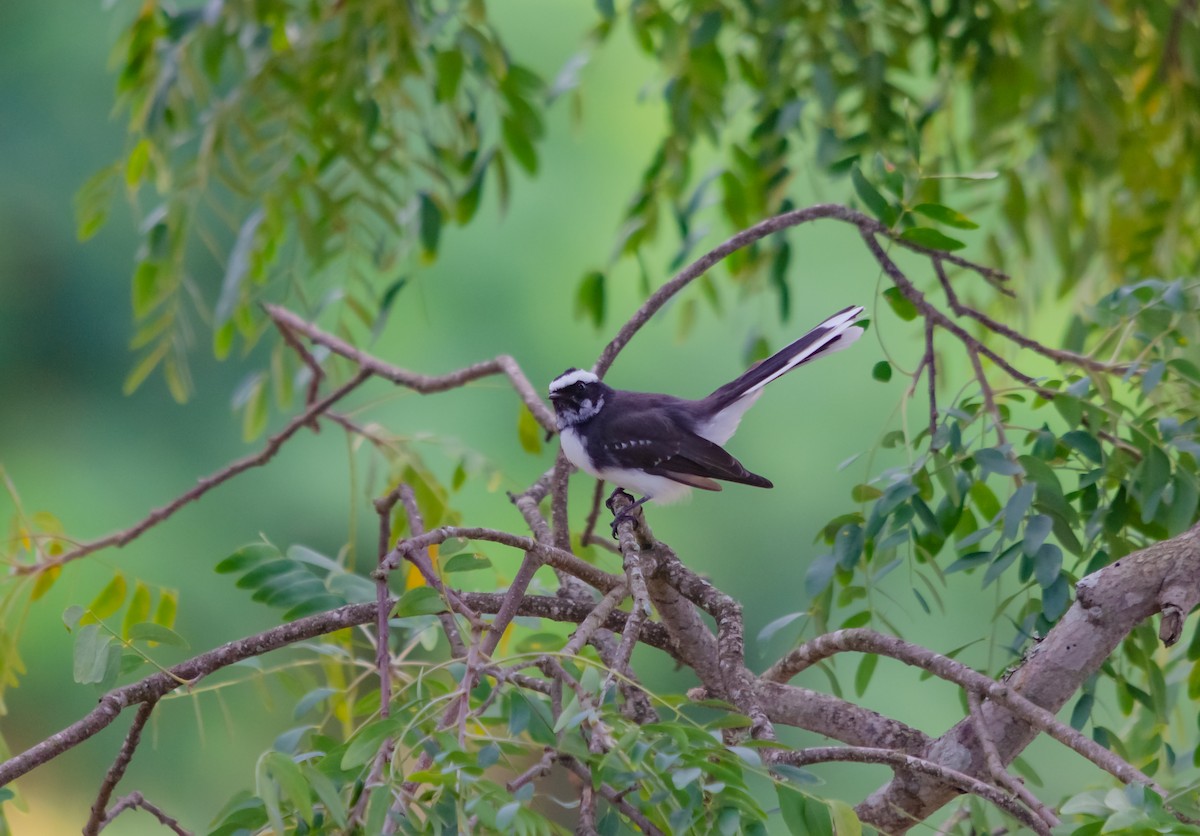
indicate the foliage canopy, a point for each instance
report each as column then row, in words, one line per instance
column 313, row 155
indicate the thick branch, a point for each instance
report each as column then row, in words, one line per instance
column 157, row 685
column 1163, row 577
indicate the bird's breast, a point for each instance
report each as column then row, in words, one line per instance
column 573, row 449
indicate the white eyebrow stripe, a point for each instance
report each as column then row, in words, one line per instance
column 571, row 378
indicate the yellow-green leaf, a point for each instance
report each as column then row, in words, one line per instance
column 110, row 598
column 845, row 821
column 168, row 605
column 135, row 166
column 254, row 413
column 529, row 431
column 45, row 580
column 138, row 610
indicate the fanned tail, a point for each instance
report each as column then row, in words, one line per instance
column 727, row 405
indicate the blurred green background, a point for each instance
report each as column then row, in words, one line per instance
column 75, row 446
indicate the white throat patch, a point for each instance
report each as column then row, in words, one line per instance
column 570, row 378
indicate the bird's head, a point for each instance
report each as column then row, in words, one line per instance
column 577, row 395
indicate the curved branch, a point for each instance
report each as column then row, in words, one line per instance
column 761, row 230
column 157, row 685
column 1163, row 577
column 424, row 384
column 902, row 761
column 1036, row 717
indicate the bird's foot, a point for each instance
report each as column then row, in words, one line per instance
column 625, row 513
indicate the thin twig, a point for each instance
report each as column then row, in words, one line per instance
column 203, row 485
column 867, row 225
column 611, row 796
column 1057, row 354
column 316, row 373
column 159, row 684
column 903, row 761
column 424, row 384
column 97, row 818
column 595, row 618
column 135, row 800
column 383, row 656
column 996, row 765
column 557, row 558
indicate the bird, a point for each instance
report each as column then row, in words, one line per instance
column 662, row 446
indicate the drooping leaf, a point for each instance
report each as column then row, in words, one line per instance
column 945, row 215
column 928, row 237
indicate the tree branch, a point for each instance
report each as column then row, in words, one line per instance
column 424, row 384
column 133, row 737
column 203, row 485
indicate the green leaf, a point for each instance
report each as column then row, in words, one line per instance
column 766, row 633
column 900, row 303
column 327, row 792
column 431, row 223
column 991, row 460
column 45, row 580
column 93, row 200
column 506, row 814
column 945, row 215
column 848, row 546
column 682, row 777
column 589, row 298
column 1183, row 503
column 449, row 65
column 91, row 654
column 465, row 563
column 168, row 606
column 985, row 500
column 1082, row 712
column 291, row 780
column 1047, row 564
column 1084, row 442
column 875, row 202
column 110, row 598
column 803, row 814
column 529, row 431
column 819, row 574
column 845, row 820
column 924, row 236
column 1154, row 475
column 247, row 556
column 1037, row 529
column 148, row 631
column 866, row 669
column 137, row 162
column 865, row 493
column 144, row 366
column 422, row 600
column 238, row 267
column 366, row 742
column 882, row 371
column 256, row 409
column 517, row 141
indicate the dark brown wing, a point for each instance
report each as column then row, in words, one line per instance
column 655, row 442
